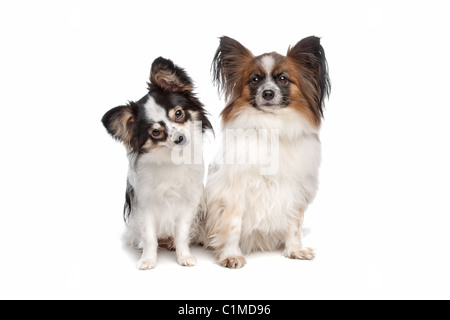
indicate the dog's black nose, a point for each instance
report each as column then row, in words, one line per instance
column 180, row 140
column 268, row 95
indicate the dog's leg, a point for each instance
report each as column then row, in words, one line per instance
column 150, row 244
column 228, row 250
column 182, row 239
column 294, row 248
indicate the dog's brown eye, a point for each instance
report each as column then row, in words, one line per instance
column 156, row 133
column 179, row 114
column 283, row 80
column 255, row 80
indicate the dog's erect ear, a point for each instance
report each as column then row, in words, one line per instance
column 230, row 60
column 168, row 76
column 309, row 55
column 119, row 122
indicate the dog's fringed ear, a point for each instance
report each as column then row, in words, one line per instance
column 170, row 77
column 230, row 60
column 309, row 55
column 119, row 122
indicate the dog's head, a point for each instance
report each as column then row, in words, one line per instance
column 272, row 81
column 165, row 118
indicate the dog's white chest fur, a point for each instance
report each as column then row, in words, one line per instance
column 267, row 199
column 164, row 193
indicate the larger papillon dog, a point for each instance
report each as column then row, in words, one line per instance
column 162, row 133
column 265, row 173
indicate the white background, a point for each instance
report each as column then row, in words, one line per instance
column 380, row 223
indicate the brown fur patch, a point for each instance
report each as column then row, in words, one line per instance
column 170, row 77
column 168, row 80
column 300, row 104
column 229, row 62
column 168, row 243
column 233, row 108
column 121, row 125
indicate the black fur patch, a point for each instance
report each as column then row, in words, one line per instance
column 129, row 199
column 284, row 89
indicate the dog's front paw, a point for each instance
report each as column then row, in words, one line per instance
column 233, row 262
column 146, row 264
column 187, row 261
column 298, row 252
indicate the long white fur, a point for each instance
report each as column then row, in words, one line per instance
column 167, row 199
column 258, row 210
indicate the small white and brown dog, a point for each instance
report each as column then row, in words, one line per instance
column 265, row 173
column 162, row 133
